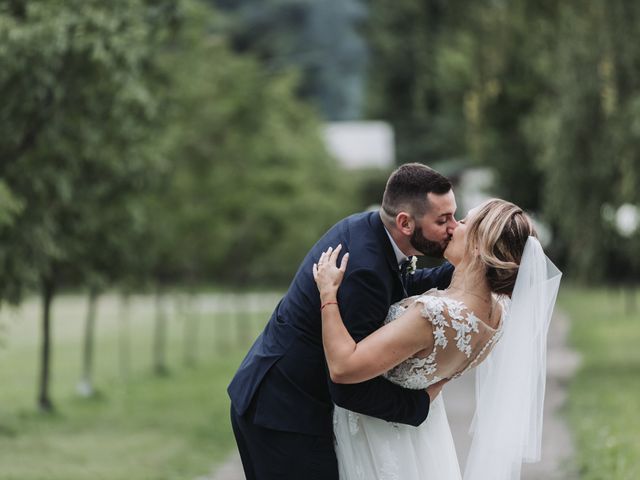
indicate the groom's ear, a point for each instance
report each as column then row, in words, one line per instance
column 405, row 223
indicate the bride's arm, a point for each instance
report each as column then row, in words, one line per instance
column 351, row 362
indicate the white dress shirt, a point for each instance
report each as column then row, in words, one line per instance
column 400, row 257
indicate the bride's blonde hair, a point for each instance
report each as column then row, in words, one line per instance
column 496, row 236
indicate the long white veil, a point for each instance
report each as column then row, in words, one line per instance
column 510, row 383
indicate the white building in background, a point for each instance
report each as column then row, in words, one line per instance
column 361, row 144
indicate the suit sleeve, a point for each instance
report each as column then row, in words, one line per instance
column 364, row 302
column 427, row 278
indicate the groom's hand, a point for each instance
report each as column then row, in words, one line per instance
column 434, row 390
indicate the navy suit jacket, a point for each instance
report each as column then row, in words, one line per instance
column 285, row 373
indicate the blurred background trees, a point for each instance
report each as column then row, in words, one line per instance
column 139, row 147
column 174, row 147
column 154, row 143
column 250, row 185
column 544, row 95
column 78, row 117
column 139, row 151
column 322, row 40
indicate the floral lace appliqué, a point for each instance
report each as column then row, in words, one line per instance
column 418, row 373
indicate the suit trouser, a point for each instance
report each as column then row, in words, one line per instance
column 275, row 455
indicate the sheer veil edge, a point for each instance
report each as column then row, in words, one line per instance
column 510, row 383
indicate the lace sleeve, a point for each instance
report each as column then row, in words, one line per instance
column 460, row 338
column 460, row 341
column 451, row 321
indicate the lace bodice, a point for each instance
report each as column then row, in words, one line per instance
column 461, row 340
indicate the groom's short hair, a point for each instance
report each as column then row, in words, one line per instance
column 407, row 189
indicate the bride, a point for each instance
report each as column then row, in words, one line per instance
column 495, row 312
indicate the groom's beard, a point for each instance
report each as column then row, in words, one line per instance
column 425, row 246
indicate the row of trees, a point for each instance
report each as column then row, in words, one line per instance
column 146, row 143
column 138, row 150
column 545, row 93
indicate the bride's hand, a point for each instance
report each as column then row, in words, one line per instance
column 327, row 274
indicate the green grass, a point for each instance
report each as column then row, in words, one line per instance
column 148, row 427
column 604, row 397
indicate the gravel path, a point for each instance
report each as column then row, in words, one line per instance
column 557, row 445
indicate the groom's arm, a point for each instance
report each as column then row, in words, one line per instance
column 364, row 301
column 427, row 278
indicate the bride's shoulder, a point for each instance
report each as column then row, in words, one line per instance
column 436, row 297
column 431, row 293
column 436, row 301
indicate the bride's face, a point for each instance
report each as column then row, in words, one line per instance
column 455, row 251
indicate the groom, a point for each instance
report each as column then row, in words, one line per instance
column 281, row 396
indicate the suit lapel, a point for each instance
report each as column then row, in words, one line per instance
column 383, row 239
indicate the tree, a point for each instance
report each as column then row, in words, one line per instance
column 406, row 82
column 586, row 131
column 250, row 185
column 320, row 39
column 508, row 42
column 77, row 120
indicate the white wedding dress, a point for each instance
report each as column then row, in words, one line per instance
column 510, row 388
column 372, row 449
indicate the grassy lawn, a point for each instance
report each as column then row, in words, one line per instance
column 148, row 427
column 604, row 399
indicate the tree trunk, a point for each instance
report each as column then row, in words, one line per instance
column 191, row 330
column 251, row 307
column 124, row 338
column 44, row 402
column 224, row 322
column 160, row 336
column 85, row 386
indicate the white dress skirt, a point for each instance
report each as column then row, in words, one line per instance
column 372, row 449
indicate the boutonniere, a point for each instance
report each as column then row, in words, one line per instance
column 413, row 261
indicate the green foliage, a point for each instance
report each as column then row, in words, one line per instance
column 457, row 81
column 604, row 397
column 587, row 134
column 205, row 164
column 406, row 83
column 250, row 186
column 505, row 44
column 320, row 39
column 9, row 206
column 545, row 94
column 77, row 122
column 136, row 144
